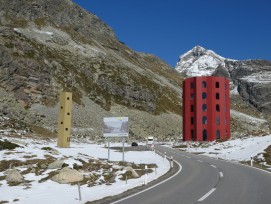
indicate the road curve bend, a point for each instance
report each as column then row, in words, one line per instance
column 207, row 180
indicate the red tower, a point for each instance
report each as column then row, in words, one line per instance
column 206, row 109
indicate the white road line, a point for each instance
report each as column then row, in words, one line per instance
column 180, row 169
column 221, row 174
column 206, row 195
column 213, row 166
column 199, row 161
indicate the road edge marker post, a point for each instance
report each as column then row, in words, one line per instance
column 146, row 176
column 171, row 162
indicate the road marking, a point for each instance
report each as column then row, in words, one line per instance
column 199, row 161
column 206, row 195
column 213, row 166
column 221, row 174
column 180, row 169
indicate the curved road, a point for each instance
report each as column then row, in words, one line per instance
column 207, row 180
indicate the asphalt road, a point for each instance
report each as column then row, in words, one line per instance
column 207, row 180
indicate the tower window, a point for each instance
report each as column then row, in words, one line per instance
column 204, row 120
column 192, row 108
column 217, row 84
column 217, row 120
column 217, row 107
column 192, row 135
column 204, row 84
column 191, row 85
column 191, row 96
column 217, row 96
column 204, row 135
column 218, row 134
column 192, row 120
column 68, row 98
column 204, row 95
column 204, row 107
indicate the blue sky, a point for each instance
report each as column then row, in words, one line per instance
column 236, row 29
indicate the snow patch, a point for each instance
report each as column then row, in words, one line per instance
column 36, row 192
column 237, row 149
column 199, row 62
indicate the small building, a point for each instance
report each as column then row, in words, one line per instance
column 206, row 108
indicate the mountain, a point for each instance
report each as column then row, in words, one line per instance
column 51, row 46
column 199, row 62
column 250, row 80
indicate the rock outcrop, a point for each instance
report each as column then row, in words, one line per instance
column 130, row 169
column 14, row 177
column 67, row 175
column 253, row 81
column 56, row 164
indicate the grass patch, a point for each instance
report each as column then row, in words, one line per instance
column 180, row 146
column 267, row 155
column 41, row 163
column 7, row 145
column 47, row 148
column 40, row 22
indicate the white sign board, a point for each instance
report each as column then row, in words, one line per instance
column 116, row 127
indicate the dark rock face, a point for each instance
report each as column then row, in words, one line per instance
column 60, row 13
column 257, row 93
column 253, row 78
column 221, row 72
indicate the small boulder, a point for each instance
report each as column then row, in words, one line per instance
column 113, row 178
column 129, row 168
column 13, row 176
column 56, row 164
column 67, row 175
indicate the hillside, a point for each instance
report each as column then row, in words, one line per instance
column 52, row 46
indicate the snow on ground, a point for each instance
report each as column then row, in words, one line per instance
column 234, row 91
column 52, row 192
column 240, row 149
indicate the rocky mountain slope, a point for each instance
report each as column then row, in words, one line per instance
column 250, row 84
column 50, row 46
column 199, row 62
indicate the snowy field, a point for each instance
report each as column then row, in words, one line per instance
column 52, row 192
column 240, row 149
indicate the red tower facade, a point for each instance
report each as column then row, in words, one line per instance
column 206, row 108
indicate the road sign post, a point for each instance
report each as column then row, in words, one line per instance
column 116, row 127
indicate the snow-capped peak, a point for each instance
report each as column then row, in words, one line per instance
column 199, row 62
